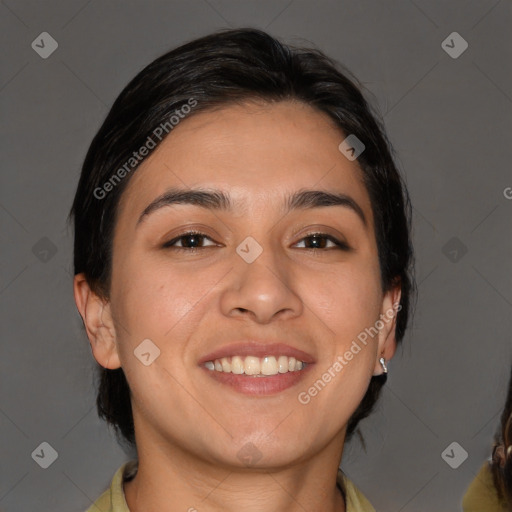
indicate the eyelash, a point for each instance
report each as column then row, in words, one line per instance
column 170, row 244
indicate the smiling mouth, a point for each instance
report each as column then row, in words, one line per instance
column 256, row 366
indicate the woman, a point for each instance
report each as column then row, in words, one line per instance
column 243, row 269
column 491, row 490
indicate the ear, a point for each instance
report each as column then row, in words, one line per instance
column 98, row 322
column 387, row 327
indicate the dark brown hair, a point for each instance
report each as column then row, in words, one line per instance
column 221, row 68
column 501, row 461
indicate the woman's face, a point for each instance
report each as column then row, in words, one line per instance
column 253, row 283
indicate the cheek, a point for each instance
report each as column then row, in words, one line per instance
column 348, row 300
column 347, row 303
column 165, row 307
column 162, row 303
column 149, row 298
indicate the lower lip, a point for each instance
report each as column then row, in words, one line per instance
column 260, row 386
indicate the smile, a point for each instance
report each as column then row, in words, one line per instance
column 256, row 366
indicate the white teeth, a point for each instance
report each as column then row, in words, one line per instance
column 282, row 363
column 237, row 365
column 269, row 366
column 252, row 365
column 226, row 365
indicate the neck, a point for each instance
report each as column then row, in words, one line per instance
column 175, row 480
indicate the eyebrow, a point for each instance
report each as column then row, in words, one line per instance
column 219, row 200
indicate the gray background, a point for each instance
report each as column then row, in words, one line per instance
column 450, row 122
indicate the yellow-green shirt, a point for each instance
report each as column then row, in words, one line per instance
column 113, row 500
column 481, row 494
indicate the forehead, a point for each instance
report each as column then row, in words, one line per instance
column 256, row 152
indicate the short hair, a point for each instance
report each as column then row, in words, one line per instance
column 223, row 68
column 501, row 460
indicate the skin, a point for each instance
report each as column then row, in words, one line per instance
column 189, row 428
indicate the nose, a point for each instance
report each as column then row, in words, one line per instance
column 263, row 290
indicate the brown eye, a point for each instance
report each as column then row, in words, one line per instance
column 323, row 241
column 189, row 241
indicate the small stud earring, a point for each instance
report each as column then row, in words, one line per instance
column 382, row 361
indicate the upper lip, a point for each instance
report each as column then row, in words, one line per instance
column 257, row 349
